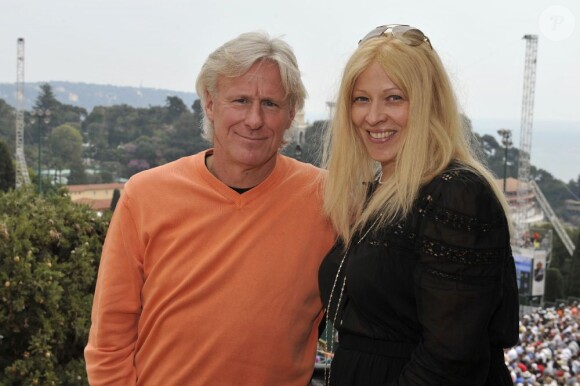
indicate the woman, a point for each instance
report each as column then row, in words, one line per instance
column 421, row 286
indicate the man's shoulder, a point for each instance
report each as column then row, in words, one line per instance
column 301, row 168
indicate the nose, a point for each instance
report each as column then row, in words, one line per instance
column 376, row 113
column 254, row 119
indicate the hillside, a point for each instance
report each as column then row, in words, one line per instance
column 89, row 95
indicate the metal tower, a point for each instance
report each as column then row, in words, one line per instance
column 22, row 177
column 527, row 118
column 527, row 185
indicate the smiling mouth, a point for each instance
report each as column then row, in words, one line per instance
column 248, row 138
column 381, row 134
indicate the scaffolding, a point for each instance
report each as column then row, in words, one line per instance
column 22, row 177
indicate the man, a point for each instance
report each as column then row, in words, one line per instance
column 208, row 273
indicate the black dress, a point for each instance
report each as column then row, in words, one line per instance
column 432, row 300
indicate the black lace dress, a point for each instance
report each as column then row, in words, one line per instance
column 432, row 300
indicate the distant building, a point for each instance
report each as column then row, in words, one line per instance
column 97, row 196
column 298, row 130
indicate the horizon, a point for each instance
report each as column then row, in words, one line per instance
column 317, row 115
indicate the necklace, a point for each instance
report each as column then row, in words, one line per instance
column 330, row 335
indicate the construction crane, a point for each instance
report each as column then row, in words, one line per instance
column 527, row 119
column 22, row 177
column 526, row 184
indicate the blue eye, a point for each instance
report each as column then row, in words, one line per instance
column 360, row 99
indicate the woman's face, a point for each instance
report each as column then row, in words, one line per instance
column 379, row 111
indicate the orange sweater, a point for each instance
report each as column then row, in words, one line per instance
column 199, row 285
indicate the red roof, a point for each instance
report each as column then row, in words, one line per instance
column 83, row 188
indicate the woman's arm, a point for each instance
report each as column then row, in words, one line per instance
column 463, row 248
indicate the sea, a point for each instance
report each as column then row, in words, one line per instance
column 555, row 144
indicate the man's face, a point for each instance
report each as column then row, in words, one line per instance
column 250, row 114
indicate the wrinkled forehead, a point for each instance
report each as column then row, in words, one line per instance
column 261, row 78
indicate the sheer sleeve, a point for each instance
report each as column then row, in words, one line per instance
column 463, row 282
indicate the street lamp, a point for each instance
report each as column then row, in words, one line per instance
column 41, row 116
column 506, row 141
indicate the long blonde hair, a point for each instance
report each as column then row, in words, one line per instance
column 434, row 137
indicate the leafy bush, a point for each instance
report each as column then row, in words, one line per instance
column 554, row 285
column 49, row 255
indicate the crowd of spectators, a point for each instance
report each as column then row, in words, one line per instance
column 548, row 352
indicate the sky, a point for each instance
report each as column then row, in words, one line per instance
column 163, row 44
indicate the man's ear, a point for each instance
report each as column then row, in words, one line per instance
column 208, row 106
column 292, row 113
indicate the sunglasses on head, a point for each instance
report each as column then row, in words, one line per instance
column 411, row 36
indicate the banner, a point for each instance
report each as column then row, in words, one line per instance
column 530, row 270
column 539, row 272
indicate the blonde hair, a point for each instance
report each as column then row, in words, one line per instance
column 235, row 57
column 434, row 137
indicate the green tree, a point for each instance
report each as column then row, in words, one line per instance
column 146, row 149
column 494, row 156
column 575, row 187
column 197, row 110
column 46, row 99
column 7, row 125
column 7, row 171
column 183, row 138
column 66, row 144
column 66, row 113
column 49, row 255
column 556, row 191
column 559, row 256
column 574, row 277
column 78, row 175
column 175, row 108
column 554, row 285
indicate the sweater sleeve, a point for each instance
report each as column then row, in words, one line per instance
column 464, row 258
column 110, row 351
